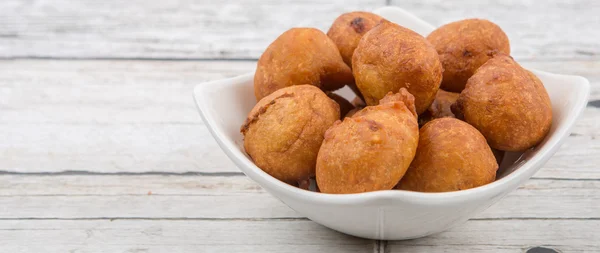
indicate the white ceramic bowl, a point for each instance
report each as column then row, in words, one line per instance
column 392, row 214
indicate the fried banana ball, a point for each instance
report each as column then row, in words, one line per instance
column 371, row 150
column 301, row 56
column 390, row 57
column 347, row 30
column 452, row 155
column 284, row 131
column 507, row 104
column 464, row 46
column 440, row 107
column 345, row 105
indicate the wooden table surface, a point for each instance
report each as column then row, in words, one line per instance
column 102, row 149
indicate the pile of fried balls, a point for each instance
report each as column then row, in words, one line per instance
column 432, row 114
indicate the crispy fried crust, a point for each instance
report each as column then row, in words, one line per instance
column 452, row 155
column 507, row 104
column 464, row 46
column 284, row 131
column 300, row 56
column 371, row 150
column 347, row 30
column 390, row 57
column 402, row 96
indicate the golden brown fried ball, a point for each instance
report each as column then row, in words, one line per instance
column 464, row 46
column 390, row 57
column 452, row 155
column 507, row 104
column 345, row 105
column 300, row 56
column 347, row 30
column 371, row 150
column 284, row 131
column 440, row 107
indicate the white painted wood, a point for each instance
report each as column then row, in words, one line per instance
column 174, row 148
column 119, row 92
column 64, row 124
column 163, row 29
column 180, row 148
column 106, row 92
column 139, row 116
column 237, row 197
column 147, row 236
column 508, row 236
column 282, row 236
column 537, row 29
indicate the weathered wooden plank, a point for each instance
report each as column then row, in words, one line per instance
column 508, row 236
column 243, row 28
column 28, row 148
column 106, row 92
column 122, row 92
column 537, row 29
column 138, row 116
column 157, row 29
column 283, row 235
column 172, row 148
column 203, row 197
column 175, row 236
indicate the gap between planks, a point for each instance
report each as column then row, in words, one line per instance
column 288, row 236
column 242, row 29
column 179, row 197
column 130, row 117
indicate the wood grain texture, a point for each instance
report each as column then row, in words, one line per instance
column 212, row 214
column 54, row 236
column 237, row 197
column 109, row 116
column 157, row 29
column 102, row 149
column 537, row 29
column 508, row 236
column 282, row 236
column 188, row 29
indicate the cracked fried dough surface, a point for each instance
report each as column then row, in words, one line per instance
column 464, row 46
column 390, row 57
column 507, row 104
column 300, row 56
column 347, row 30
column 371, row 150
column 452, row 155
column 284, row 131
